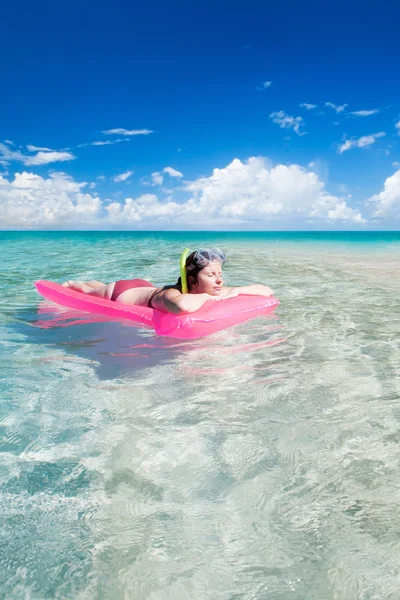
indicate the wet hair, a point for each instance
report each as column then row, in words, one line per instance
column 197, row 261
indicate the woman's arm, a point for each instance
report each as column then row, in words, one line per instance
column 257, row 289
column 173, row 301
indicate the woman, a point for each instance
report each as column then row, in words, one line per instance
column 205, row 282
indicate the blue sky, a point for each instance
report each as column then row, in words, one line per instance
column 169, row 116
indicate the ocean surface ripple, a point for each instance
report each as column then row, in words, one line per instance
column 259, row 463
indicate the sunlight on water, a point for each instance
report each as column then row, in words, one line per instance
column 258, row 463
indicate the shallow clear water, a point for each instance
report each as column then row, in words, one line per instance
column 259, row 463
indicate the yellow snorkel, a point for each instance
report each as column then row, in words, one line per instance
column 182, row 264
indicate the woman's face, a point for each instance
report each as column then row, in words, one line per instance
column 209, row 280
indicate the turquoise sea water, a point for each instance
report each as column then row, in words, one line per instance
column 259, row 463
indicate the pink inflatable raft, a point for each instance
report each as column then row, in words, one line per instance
column 212, row 317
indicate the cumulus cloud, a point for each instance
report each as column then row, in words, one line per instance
column 257, row 190
column 129, row 132
column 388, row 201
column 362, row 142
column 40, row 158
column 308, row 106
column 123, row 176
column 345, row 213
column 9, row 142
column 287, row 122
column 338, row 108
column 364, row 113
column 31, row 201
column 145, row 207
column 248, row 194
column 264, row 85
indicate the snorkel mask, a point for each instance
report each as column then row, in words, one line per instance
column 201, row 258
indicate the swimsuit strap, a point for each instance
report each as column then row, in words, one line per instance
column 153, row 294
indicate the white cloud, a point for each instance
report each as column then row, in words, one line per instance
column 31, row 201
column 362, row 142
column 336, row 107
column 257, row 190
column 57, row 182
column 9, row 142
column 308, row 106
column 249, row 194
column 346, row 146
column 8, row 155
column 264, row 85
column 32, row 148
column 287, row 122
column 44, row 158
column 172, row 172
column 108, row 142
column 388, row 201
column 345, row 213
column 364, row 113
column 103, row 142
column 121, row 131
column 123, row 176
column 41, row 158
column 397, row 126
column 157, row 177
column 145, row 207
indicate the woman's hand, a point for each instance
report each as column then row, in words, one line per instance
column 257, row 289
column 247, row 290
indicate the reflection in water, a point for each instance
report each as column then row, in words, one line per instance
column 114, row 343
